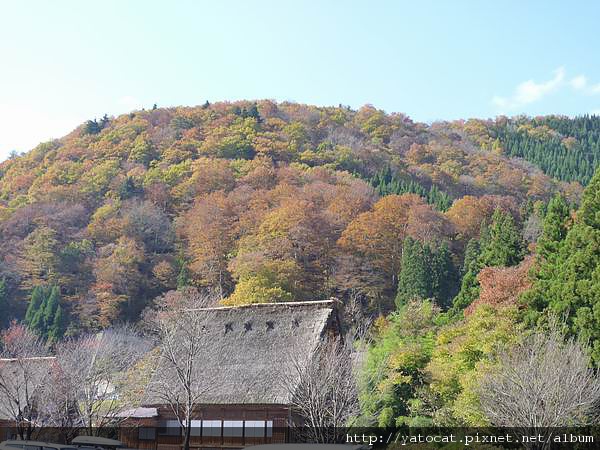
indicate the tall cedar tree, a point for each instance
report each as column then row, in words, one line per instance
column 37, row 298
column 44, row 315
column 573, row 291
column 554, row 232
column 425, row 274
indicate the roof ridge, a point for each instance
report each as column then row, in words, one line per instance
column 331, row 301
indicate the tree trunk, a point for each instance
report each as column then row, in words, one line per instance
column 187, row 432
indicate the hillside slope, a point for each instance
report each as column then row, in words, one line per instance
column 258, row 201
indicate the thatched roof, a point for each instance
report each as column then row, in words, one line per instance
column 250, row 347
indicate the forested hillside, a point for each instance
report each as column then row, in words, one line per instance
column 261, row 201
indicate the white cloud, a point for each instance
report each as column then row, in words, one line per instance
column 530, row 91
column 579, row 82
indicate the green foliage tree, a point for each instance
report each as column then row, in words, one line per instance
column 554, row 231
column 503, row 244
column 57, row 327
column 555, row 227
column 52, row 303
column 92, row 127
column 42, row 313
column 414, row 279
column 387, row 183
column 567, row 283
column 37, row 298
column 425, row 273
column 395, row 365
column 564, row 148
column 460, row 356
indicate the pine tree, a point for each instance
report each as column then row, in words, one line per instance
column 426, row 274
column 57, row 328
column 38, row 320
column 50, row 307
column 567, row 284
column 414, row 279
column 469, row 288
column 554, row 231
column 37, row 297
column 37, row 324
column 554, row 228
column 504, row 244
column 444, row 276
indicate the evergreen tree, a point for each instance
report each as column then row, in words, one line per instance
column 444, row 276
column 92, row 127
column 57, row 327
column 504, row 244
column 50, row 307
column 104, row 122
column 38, row 324
column 554, row 231
column 568, row 284
column 425, row 274
column 414, row 279
column 385, row 182
column 469, row 288
column 554, row 228
column 37, row 297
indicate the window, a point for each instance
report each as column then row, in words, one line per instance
column 196, row 428
column 211, row 428
column 255, row 428
column 269, row 428
column 33, row 447
column 170, row 428
column 147, row 434
column 233, row 428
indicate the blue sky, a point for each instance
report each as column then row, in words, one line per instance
column 63, row 62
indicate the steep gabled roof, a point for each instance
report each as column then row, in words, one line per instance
column 250, row 348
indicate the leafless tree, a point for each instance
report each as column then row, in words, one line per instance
column 90, row 377
column 323, row 390
column 23, row 370
column 181, row 328
column 59, row 410
column 546, row 381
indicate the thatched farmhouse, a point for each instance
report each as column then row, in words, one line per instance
column 246, row 376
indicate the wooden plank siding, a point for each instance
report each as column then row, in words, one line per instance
column 277, row 415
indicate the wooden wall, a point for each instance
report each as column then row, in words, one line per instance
column 278, row 415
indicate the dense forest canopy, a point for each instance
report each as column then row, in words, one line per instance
column 263, row 201
column 458, row 249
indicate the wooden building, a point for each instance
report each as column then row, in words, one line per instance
column 246, row 403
